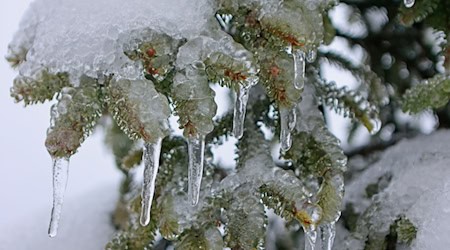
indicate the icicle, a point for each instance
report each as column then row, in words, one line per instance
column 409, row 3
column 328, row 233
column 240, row 108
column 151, row 161
column 299, row 69
column 196, row 150
column 60, row 177
column 310, row 239
column 287, row 119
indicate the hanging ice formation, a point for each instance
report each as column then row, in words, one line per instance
column 196, row 151
column 299, row 69
column 151, row 165
column 288, row 119
column 65, row 135
column 229, row 64
column 60, row 177
column 144, row 111
column 409, row 3
column 240, row 108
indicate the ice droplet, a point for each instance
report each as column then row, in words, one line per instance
column 288, row 119
column 409, row 3
column 299, row 69
column 328, row 234
column 60, row 177
column 375, row 125
column 240, row 107
column 196, row 150
column 151, row 165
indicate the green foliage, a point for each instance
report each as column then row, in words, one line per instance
column 349, row 104
column 39, row 89
column 131, row 102
column 122, row 148
column 406, row 230
column 74, row 118
column 431, row 94
column 421, row 10
column 246, row 221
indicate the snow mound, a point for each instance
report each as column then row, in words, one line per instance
column 88, row 37
column 412, row 180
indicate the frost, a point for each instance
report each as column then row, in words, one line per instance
column 60, row 177
column 413, row 182
column 88, row 38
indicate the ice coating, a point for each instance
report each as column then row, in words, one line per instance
column 139, row 109
column 87, row 37
column 151, row 164
column 60, row 177
column 196, row 152
column 227, row 63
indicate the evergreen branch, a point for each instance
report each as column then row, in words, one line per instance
column 432, row 93
column 440, row 18
column 200, row 238
column 246, row 225
column 74, row 118
column 42, row 87
column 349, row 104
column 122, row 148
column 370, row 81
column 139, row 110
column 421, row 10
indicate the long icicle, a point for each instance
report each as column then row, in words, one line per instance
column 287, row 119
column 60, row 177
column 196, row 150
column 151, row 164
column 299, row 68
column 328, row 232
column 240, row 107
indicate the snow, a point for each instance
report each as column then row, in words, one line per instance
column 88, row 37
column 415, row 182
